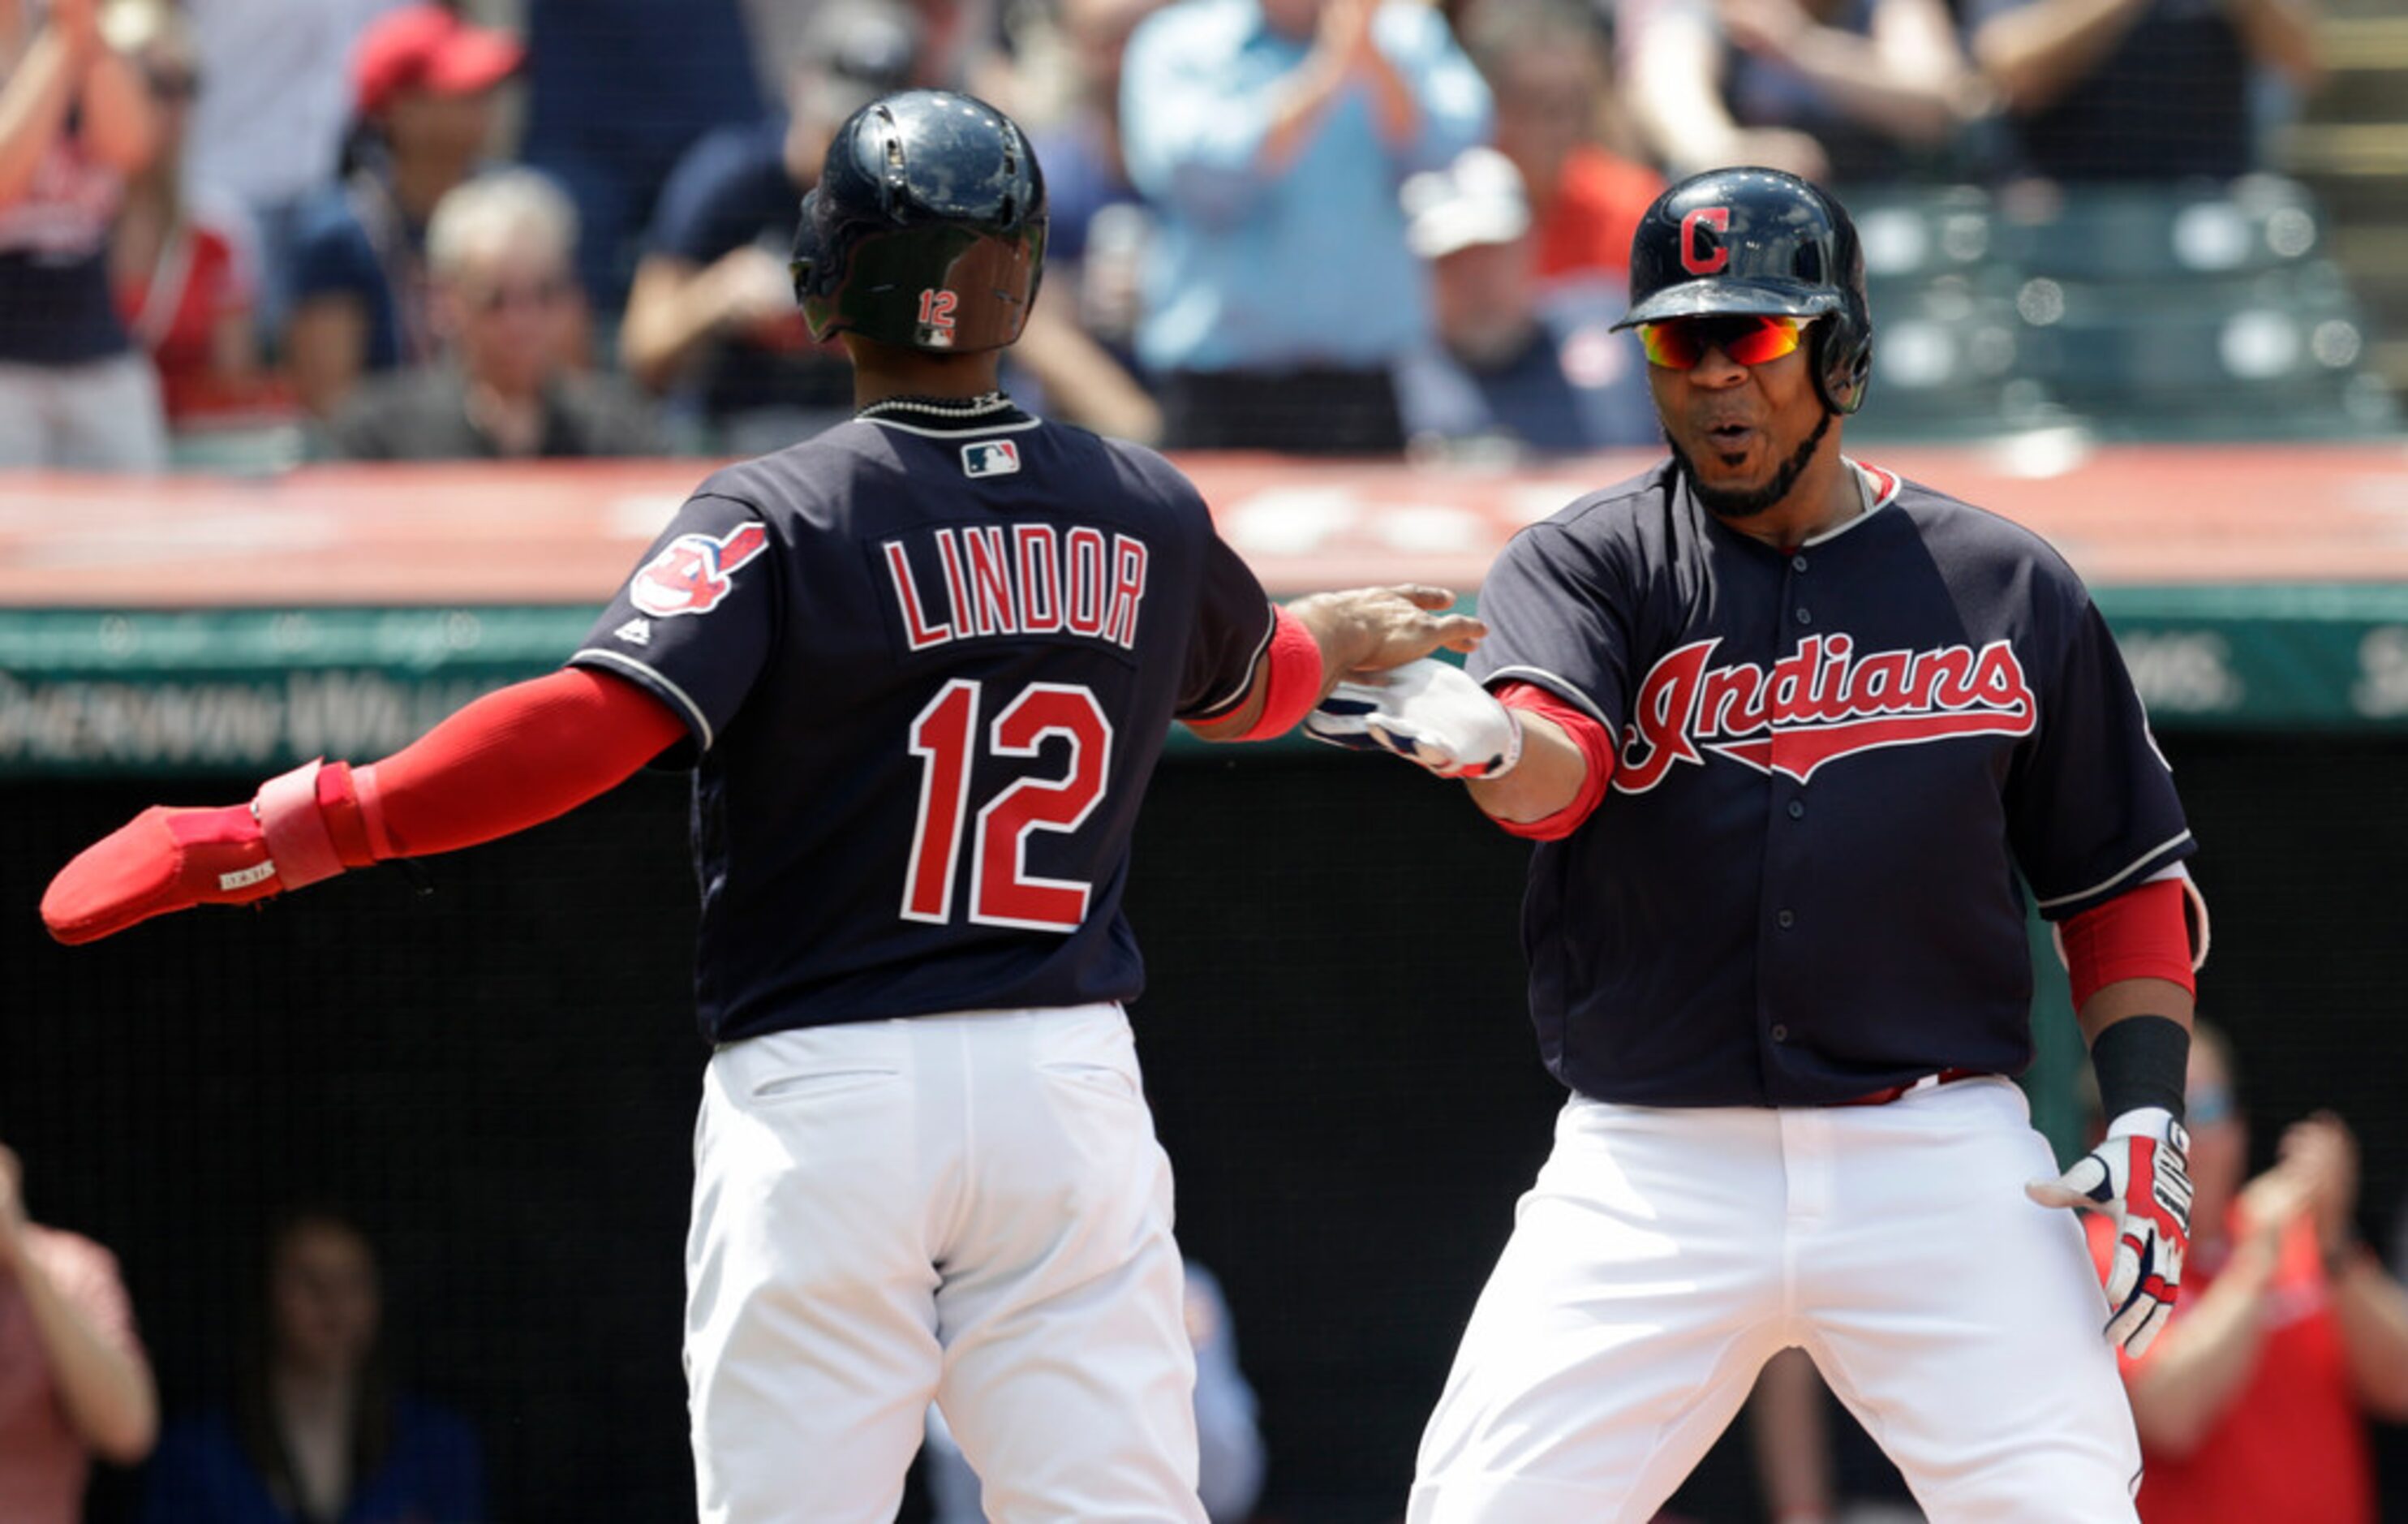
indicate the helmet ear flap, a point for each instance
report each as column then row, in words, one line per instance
column 1843, row 360
column 804, row 264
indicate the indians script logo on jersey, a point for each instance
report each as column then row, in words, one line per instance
column 1819, row 703
column 693, row 573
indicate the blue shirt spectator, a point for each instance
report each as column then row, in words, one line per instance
column 1515, row 367
column 710, row 317
column 354, row 243
column 1271, row 137
column 1229, row 1445
column 423, row 83
column 685, row 60
column 1094, row 210
column 433, row 1470
column 316, row 1433
column 1258, row 264
column 734, row 190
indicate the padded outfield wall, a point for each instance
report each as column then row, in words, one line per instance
column 499, row 1075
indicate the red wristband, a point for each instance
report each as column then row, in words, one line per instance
column 1292, row 685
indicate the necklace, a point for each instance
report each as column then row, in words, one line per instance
column 985, row 402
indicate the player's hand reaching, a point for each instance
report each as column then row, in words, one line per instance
column 1427, row 712
column 2139, row 1178
column 1366, row 629
column 167, row 860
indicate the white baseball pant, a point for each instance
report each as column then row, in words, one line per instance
column 1664, row 1256
column 969, row 1208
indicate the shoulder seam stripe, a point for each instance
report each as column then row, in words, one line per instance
column 614, row 658
column 2138, row 863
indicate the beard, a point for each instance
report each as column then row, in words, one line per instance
column 1725, row 504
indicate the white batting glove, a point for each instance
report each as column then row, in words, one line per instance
column 2140, row 1179
column 1428, row 712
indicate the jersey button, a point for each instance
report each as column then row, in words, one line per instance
column 1797, row 809
column 1780, row 1033
column 1804, row 618
column 1797, row 563
column 1785, row 920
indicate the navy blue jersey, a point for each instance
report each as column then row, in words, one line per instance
column 1802, row 884
column 927, row 665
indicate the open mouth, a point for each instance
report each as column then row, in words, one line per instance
column 1730, row 440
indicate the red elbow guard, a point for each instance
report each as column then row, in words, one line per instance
column 2143, row 933
column 1596, row 749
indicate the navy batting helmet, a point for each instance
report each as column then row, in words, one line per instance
column 927, row 228
column 1759, row 241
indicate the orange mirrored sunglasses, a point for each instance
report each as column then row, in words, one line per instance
column 1750, row 340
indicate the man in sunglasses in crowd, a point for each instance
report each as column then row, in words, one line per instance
column 501, row 254
column 1787, row 729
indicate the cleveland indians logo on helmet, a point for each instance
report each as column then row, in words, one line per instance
column 693, row 573
column 1818, row 704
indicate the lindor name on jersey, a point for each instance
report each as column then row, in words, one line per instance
column 1024, row 579
column 1817, row 705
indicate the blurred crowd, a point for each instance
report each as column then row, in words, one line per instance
column 251, row 231
column 315, row 1422
column 2290, row 1339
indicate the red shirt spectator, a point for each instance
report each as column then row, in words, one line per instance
column 178, row 310
column 182, row 273
column 2293, row 1445
column 2251, row 1405
column 1597, row 202
column 1556, row 120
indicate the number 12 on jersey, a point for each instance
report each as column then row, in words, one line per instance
column 1002, row 892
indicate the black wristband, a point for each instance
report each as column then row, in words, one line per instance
column 2142, row 1061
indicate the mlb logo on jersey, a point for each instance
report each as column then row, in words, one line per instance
column 990, row 457
column 692, row 573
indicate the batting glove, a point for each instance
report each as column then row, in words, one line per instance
column 1428, row 712
column 2140, row 1180
column 167, row 860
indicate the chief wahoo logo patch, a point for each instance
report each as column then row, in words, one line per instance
column 693, row 573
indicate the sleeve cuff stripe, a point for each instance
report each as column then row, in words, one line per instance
column 2150, row 859
column 1564, row 687
column 1245, row 684
column 653, row 679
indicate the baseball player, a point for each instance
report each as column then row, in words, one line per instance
column 923, row 666
column 1787, row 729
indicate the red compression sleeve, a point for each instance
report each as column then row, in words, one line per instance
column 1596, row 749
column 2143, row 933
column 1292, row 685
column 513, row 759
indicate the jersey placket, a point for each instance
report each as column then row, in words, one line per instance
column 1788, row 904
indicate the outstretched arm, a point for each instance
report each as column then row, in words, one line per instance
column 1321, row 639
column 513, row 759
